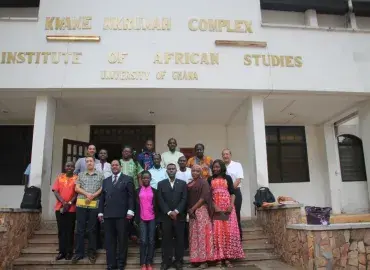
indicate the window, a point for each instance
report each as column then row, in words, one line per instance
column 19, row 10
column 351, row 158
column 287, row 154
column 16, row 145
column 19, row 3
column 338, row 7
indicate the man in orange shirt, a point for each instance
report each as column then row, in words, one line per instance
column 65, row 210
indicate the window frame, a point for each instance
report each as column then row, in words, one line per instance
column 280, row 159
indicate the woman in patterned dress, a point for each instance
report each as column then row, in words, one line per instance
column 200, row 225
column 226, row 235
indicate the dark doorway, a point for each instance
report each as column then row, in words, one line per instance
column 351, row 157
column 113, row 138
column 16, row 144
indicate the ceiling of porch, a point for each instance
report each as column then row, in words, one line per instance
column 157, row 106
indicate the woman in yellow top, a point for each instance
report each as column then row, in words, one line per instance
column 205, row 162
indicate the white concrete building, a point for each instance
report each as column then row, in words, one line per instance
column 275, row 83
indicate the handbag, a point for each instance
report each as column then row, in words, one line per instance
column 221, row 216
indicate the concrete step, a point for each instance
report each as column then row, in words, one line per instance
column 54, row 231
column 53, row 239
column 248, row 247
column 46, row 259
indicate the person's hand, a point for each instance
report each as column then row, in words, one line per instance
column 191, row 211
column 229, row 209
column 66, row 207
column 217, row 209
column 129, row 217
column 173, row 215
column 64, row 203
column 90, row 196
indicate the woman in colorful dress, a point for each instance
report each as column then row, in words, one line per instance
column 205, row 162
column 226, row 235
column 200, row 225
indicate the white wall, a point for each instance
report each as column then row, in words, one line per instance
column 11, row 196
column 336, row 61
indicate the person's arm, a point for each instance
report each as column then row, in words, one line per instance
column 188, row 163
column 239, row 175
column 55, row 190
column 27, row 176
column 184, row 196
column 78, row 167
column 230, row 187
column 102, row 202
column 162, row 204
column 80, row 190
column 204, row 197
column 130, row 188
column 139, row 169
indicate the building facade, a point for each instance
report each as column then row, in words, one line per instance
column 284, row 86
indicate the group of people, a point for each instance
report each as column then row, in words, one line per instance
column 153, row 191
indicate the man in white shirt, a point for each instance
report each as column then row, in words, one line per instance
column 171, row 156
column 235, row 170
column 184, row 173
column 158, row 173
column 103, row 166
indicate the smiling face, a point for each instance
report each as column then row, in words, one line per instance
column 103, row 155
column 91, row 150
column 226, row 156
column 69, row 167
column 115, row 167
column 216, row 168
column 196, row 172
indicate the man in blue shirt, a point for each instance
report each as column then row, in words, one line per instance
column 146, row 157
column 27, row 174
column 158, row 173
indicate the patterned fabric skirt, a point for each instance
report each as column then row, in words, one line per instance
column 226, row 233
column 200, row 237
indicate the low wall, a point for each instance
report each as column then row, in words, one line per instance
column 16, row 226
column 336, row 246
column 274, row 220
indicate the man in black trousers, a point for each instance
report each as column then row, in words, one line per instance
column 116, row 208
column 172, row 196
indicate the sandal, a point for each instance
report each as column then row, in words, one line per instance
column 219, row 264
column 228, row 264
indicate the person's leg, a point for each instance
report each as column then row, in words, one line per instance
column 238, row 207
column 81, row 216
column 70, row 225
column 61, row 240
column 151, row 242
column 91, row 231
column 167, row 242
column 110, row 242
column 122, row 235
column 144, row 233
column 180, row 237
column 186, row 236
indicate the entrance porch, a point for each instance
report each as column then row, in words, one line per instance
column 284, row 141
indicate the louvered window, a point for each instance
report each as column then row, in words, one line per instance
column 351, row 157
column 287, row 154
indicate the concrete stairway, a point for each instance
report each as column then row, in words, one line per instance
column 42, row 249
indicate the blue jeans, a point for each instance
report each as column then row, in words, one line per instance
column 147, row 242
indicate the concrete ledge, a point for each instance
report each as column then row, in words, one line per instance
column 19, row 210
column 331, row 227
column 280, row 207
column 3, row 229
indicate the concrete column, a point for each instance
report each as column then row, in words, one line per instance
column 256, row 149
column 42, row 147
column 310, row 18
column 364, row 134
column 335, row 178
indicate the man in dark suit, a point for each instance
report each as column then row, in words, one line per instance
column 116, row 209
column 172, row 196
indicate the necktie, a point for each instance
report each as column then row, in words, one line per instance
column 115, row 179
